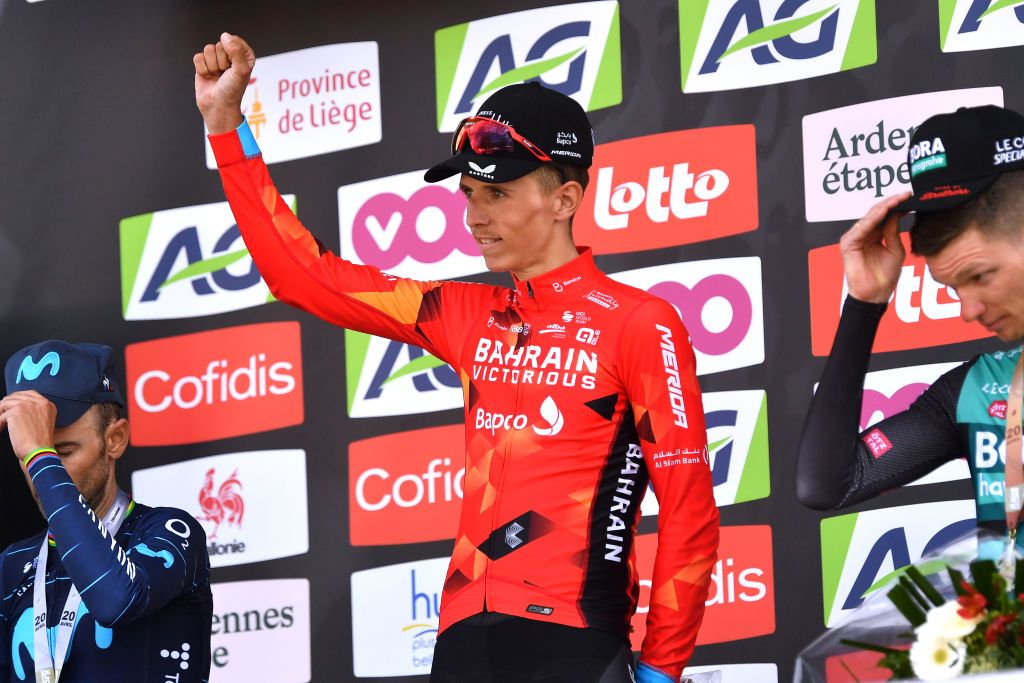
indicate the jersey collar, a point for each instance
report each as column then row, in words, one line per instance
column 562, row 283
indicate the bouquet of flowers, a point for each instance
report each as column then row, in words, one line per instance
column 946, row 616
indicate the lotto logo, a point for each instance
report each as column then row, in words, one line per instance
column 214, row 385
column 720, row 304
column 387, row 377
column 741, row 598
column 923, row 312
column 412, row 496
column 187, row 262
column 408, row 227
column 573, row 49
column 670, row 189
column 980, row 24
column 860, row 551
column 727, row 44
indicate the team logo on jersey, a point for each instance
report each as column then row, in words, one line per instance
column 855, row 155
column 573, row 49
column 412, row 496
column 737, row 433
column 720, row 304
column 980, row 24
column 187, row 262
column 861, row 551
column 669, row 189
column 745, row 43
column 236, row 498
column 888, row 392
column 395, row 616
column 387, row 377
column 313, row 101
column 741, row 597
column 408, row 227
column 254, row 622
column 922, row 313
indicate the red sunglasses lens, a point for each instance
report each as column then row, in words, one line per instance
column 489, row 137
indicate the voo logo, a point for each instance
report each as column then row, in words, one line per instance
column 573, row 49
column 187, row 262
column 407, row 227
column 746, row 43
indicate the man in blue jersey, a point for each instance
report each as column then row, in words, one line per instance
column 113, row 591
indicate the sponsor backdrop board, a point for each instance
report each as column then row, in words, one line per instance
column 735, row 142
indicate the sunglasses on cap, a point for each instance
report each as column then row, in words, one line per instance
column 487, row 136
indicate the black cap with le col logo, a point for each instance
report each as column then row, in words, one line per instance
column 954, row 157
column 555, row 123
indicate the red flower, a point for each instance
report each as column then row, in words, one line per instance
column 972, row 604
column 998, row 627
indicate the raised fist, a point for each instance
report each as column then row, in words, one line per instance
column 223, row 70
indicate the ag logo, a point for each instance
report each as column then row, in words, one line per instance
column 573, row 49
column 745, row 43
column 387, row 377
column 408, row 227
column 187, row 262
column 861, row 550
column 980, row 24
column 737, row 433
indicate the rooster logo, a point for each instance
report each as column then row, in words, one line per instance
column 226, row 505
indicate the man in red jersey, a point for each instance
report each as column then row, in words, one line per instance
column 578, row 391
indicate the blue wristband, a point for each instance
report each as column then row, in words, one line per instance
column 645, row 673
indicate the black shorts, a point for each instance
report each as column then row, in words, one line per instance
column 499, row 648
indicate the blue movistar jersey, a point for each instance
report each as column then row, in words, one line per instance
column 146, row 603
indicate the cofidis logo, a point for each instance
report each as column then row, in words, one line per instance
column 238, row 498
column 861, row 550
column 215, row 385
column 669, row 189
column 415, row 494
column 853, row 156
column 395, row 614
column 741, row 599
column 737, row 432
column 187, row 262
column 980, row 24
column 573, row 49
column 731, row 44
column 313, row 101
column 254, row 622
column 922, row 313
column 720, row 304
column 387, row 377
column 408, row 227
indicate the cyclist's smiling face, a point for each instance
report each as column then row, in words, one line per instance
column 518, row 226
column 988, row 276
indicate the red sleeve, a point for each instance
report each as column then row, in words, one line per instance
column 301, row 272
column 661, row 381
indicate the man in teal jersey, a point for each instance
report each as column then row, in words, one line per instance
column 969, row 199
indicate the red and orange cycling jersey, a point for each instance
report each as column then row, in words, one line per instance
column 578, row 391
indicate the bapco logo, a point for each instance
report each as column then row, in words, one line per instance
column 744, row 43
column 187, row 262
column 573, row 49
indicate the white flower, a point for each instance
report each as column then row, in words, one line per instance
column 934, row 658
column 945, row 622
